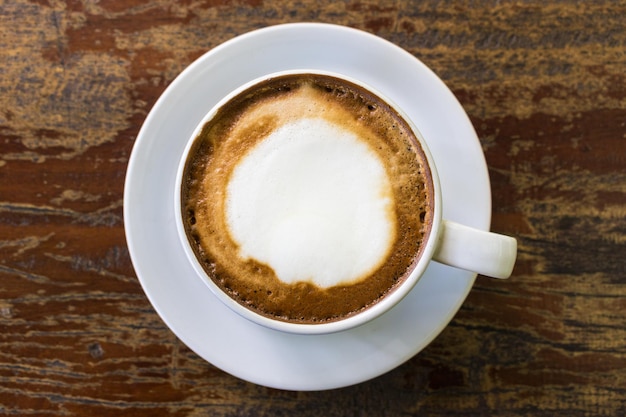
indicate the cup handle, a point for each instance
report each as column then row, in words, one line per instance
column 486, row 253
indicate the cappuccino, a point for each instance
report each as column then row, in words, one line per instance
column 307, row 198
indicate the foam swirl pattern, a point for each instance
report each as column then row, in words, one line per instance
column 307, row 198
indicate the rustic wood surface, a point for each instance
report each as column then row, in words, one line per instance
column 544, row 84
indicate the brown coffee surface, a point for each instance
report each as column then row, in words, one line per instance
column 246, row 120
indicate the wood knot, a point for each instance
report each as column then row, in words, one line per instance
column 96, row 351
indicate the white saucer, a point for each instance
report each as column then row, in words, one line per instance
column 186, row 304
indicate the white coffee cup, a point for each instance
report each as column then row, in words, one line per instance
column 448, row 242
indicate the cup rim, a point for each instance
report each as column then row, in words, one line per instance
column 347, row 323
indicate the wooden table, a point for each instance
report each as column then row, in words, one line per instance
column 545, row 87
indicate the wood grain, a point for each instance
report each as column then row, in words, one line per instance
column 545, row 87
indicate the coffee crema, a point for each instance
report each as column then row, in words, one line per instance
column 307, row 198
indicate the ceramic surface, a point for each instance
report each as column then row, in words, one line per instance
column 230, row 342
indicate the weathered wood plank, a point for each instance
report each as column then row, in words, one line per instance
column 543, row 84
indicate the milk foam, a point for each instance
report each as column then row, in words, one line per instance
column 314, row 203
